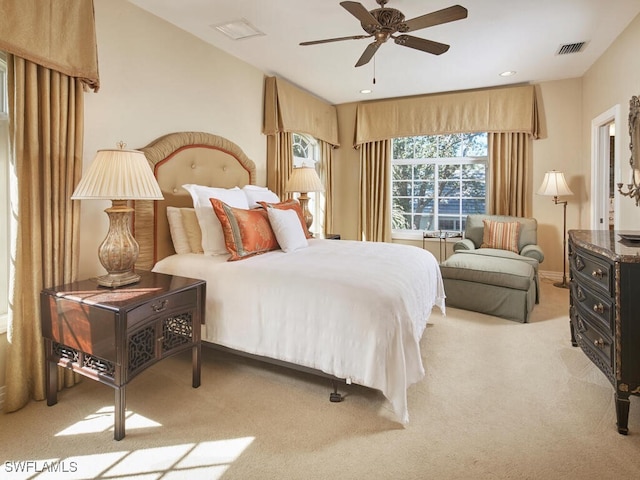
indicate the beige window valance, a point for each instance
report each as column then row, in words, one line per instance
column 57, row 34
column 512, row 109
column 289, row 109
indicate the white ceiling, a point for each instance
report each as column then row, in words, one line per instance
column 497, row 35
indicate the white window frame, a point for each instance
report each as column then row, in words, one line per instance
column 406, row 234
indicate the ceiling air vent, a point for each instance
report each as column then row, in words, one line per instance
column 568, row 48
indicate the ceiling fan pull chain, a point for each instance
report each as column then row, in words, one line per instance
column 374, row 70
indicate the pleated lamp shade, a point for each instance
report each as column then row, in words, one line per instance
column 118, row 175
column 554, row 185
column 304, row 179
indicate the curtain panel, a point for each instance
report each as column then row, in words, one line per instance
column 325, row 171
column 46, row 128
column 512, row 109
column 57, row 34
column 289, row 109
column 374, row 221
column 279, row 162
column 509, row 172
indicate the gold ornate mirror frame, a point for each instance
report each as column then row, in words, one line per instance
column 633, row 187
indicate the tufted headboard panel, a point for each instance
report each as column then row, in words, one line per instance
column 178, row 159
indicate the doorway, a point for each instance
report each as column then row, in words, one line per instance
column 605, row 169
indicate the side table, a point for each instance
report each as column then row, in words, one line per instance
column 443, row 235
column 112, row 335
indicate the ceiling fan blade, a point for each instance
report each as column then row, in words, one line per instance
column 428, row 46
column 338, row 39
column 445, row 15
column 357, row 10
column 368, row 54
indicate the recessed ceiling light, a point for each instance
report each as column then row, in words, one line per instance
column 508, row 73
column 238, row 29
column 366, row 90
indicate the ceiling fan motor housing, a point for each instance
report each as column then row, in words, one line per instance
column 390, row 19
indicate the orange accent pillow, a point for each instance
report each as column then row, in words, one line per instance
column 502, row 235
column 290, row 205
column 246, row 232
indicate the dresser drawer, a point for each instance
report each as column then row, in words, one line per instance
column 593, row 271
column 593, row 305
column 597, row 345
column 160, row 306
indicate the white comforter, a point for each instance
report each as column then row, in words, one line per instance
column 355, row 310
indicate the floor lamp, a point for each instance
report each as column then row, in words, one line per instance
column 554, row 185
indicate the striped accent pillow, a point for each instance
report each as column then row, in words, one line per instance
column 246, row 232
column 502, row 235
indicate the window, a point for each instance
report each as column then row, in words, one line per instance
column 437, row 180
column 4, row 195
column 306, row 152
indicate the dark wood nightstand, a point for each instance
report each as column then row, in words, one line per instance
column 111, row 335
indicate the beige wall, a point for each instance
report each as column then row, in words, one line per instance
column 156, row 79
column 611, row 81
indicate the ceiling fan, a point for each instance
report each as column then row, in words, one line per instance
column 384, row 23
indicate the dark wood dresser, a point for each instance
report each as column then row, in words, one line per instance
column 112, row 335
column 605, row 309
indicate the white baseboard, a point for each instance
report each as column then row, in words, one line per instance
column 553, row 276
column 2, row 389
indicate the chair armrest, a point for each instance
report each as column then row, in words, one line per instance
column 464, row 244
column 533, row 251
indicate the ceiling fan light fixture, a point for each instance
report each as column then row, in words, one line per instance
column 238, row 29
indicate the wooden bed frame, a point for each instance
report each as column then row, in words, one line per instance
column 204, row 159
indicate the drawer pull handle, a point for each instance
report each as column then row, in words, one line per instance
column 159, row 307
column 597, row 273
column 599, row 308
column 581, row 296
column 599, row 343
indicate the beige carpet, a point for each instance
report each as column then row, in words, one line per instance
column 501, row 400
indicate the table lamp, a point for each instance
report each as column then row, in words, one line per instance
column 304, row 180
column 118, row 175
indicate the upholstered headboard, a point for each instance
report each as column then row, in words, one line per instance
column 178, row 159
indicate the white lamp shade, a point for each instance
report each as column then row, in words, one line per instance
column 554, row 185
column 118, row 175
column 304, row 179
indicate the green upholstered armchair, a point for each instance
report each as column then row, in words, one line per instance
column 527, row 239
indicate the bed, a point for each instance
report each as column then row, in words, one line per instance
column 350, row 310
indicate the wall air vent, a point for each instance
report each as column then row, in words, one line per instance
column 568, row 48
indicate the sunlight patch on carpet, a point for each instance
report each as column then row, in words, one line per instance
column 102, row 421
column 208, row 460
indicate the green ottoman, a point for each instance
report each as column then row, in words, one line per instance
column 503, row 287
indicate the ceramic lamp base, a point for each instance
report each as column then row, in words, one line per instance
column 119, row 250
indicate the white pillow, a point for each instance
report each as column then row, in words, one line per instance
column 212, row 235
column 192, row 229
column 178, row 233
column 257, row 194
column 287, row 228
